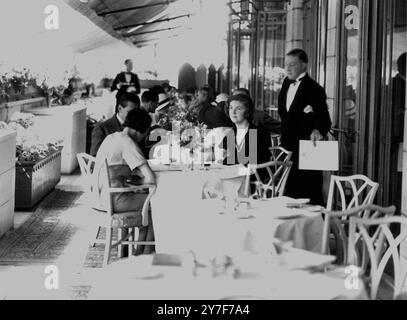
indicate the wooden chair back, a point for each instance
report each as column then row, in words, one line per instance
column 381, row 247
column 349, row 192
column 280, row 154
column 275, row 140
column 277, row 171
column 87, row 164
column 336, row 223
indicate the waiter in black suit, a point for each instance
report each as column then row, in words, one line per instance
column 304, row 116
column 126, row 81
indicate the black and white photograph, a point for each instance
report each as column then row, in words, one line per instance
column 187, row 152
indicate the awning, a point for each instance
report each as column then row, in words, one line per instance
column 139, row 22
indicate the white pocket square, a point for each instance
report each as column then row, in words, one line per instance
column 308, row 109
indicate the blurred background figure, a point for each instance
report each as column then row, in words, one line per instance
column 157, row 89
column 221, row 102
column 126, row 81
column 205, row 94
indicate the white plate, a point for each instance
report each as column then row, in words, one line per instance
column 295, row 258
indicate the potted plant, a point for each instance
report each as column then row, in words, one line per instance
column 38, row 161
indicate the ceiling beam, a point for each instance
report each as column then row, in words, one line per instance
column 105, row 13
column 153, row 22
column 152, row 31
column 156, row 39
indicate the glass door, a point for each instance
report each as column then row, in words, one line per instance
column 392, row 102
column 351, row 106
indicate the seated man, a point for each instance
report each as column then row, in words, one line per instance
column 149, row 102
column 212, row 117
column 126, row 103
column 125, row 160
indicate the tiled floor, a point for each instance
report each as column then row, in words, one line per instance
column 68, row 183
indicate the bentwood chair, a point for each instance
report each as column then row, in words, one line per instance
column 382, row 247
column 105, row 216
column 271, row 186
column 280, row 154
column 275, row 140
column 349, row 192
column 337, row 223
column 345, row 193
column 87, row 165
column 124, row 220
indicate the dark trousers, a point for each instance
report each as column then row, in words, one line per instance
column 305, row 183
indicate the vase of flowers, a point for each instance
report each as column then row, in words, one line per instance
column 186, row 133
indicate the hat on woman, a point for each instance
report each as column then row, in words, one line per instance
column 163, row 101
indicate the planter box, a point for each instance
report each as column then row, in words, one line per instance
column 34, row 180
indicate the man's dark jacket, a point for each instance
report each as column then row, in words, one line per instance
column 121, row 77
column 101, row 131
column 297, row 124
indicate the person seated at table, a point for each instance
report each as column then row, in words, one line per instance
column 126, row 161
column 205, row 94
column 212, row 117
column 157, row 89
column 261, row 118
column 149, row 102
column 127, row 102
column 246, row 143
column 185, row 100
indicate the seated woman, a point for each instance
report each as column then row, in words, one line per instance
column 246, row 143
column 125, row 159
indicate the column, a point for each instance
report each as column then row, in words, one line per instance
column 295, row 25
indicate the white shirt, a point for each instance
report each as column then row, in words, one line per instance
column 240, row 134
column 292, row 90
column 119, row 119
column 128, row 77
column 123, row 156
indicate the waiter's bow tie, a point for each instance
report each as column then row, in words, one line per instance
column 295, row 81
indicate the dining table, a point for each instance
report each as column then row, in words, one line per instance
column 184, row 218
column 288, row 276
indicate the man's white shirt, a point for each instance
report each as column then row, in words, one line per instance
column 119, row 119
column 128, row 77
column 292, row 90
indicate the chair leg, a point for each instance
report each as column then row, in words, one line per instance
column 131, row 238
column 120, row 246
column 108, row 246
column 96, row 237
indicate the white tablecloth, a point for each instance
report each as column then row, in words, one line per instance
column 137, row 278
column 183, row 221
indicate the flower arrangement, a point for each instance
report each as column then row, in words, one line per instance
column 183, row 124
column 274, row 78
column 32, row 143
column 19, row 80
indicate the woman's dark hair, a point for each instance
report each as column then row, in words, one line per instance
column 138, row 119
column 243, row 91
column 247, row 103
column 300, row 54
